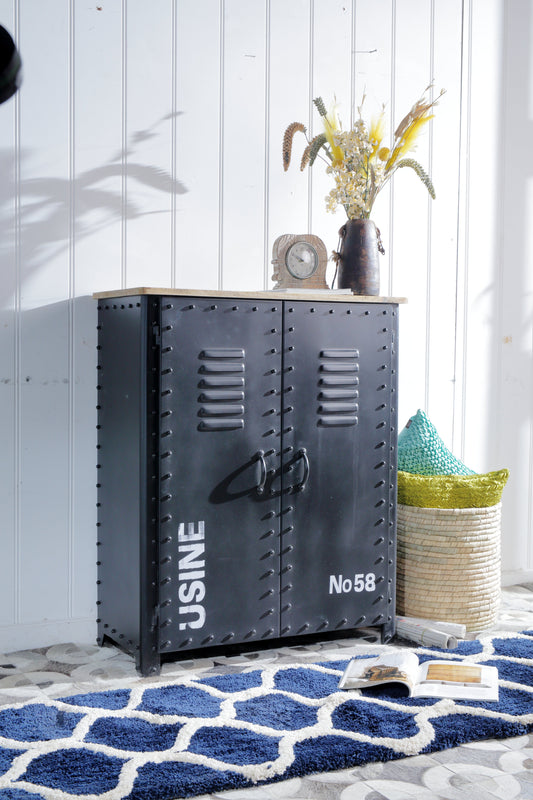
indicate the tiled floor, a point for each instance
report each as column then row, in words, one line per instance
column 480, row 771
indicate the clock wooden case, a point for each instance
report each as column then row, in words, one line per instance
column 299, row 261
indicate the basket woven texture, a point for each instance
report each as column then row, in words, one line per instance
column 451, row 491
column 422, row 451
column 448, row 565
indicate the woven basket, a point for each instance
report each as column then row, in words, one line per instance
column 449, row 564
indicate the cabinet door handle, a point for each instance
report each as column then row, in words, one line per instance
column 260, row 456
column 302, row 453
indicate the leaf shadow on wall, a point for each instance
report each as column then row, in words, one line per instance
column 45, row 215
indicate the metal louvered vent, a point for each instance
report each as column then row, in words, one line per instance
column 222, row 386
column 338, row 387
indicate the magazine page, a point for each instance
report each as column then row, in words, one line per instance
column 391, row 667
column 456, row 680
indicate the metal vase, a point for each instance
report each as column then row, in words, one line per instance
column 358, row 258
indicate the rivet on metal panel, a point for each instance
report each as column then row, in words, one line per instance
column 380, row 521
column 165, row 581
column 323, row 625
column 98, row 620
column 380, row 464
column 227, row 637
column 341, row 623
column 286, row 608
column 166, row 644
column 253, row 632
column 166, row 623
column 291, row 329
column 266, row 574
column 269, row 632
column 288, row 568
column 213, row 307
column 267, row 613
column 312, row 310
column 208, row 639
column 379, row 541
column 235, row 308
column 185, row 642
column 332, row 311
column 304, row 627
column 285, row 630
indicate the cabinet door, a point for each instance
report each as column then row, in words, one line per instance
column 220, row 442
column 337, row 545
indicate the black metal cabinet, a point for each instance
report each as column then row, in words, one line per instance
column 247, row 470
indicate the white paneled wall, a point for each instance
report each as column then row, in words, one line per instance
column 144, row 148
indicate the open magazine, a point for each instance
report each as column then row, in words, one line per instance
column 451, row 679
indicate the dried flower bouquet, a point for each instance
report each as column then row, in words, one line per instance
column 359, row 163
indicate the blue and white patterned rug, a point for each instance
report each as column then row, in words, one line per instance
column 206, row 734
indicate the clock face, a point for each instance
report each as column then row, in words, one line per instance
column 301, row 260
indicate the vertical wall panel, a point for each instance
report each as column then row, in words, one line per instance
column 410, row 230
column 8, row 348
column 290, row 51
column 481, row 372
column 198, row 81
column 510, row 406
column 98, row 198
column 148, row 124
column 44, row 324
column 445, row 170
column 244, row 145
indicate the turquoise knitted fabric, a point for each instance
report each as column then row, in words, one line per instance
column 422, row 451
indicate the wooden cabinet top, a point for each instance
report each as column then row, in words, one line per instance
column 326, row 296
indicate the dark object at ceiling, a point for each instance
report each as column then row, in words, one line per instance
column 10, row 66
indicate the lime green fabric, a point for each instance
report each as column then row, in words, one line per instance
column 451, row 491
column 422, row 451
